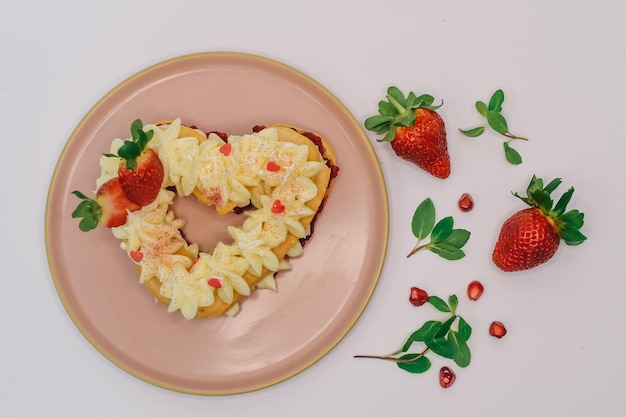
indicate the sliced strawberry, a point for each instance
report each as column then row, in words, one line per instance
column 110, row 207
column 141, row 174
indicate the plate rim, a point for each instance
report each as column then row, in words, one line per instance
column 138, row 75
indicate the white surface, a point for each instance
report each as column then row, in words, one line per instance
column 561, row 65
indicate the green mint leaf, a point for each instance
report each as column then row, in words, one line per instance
column 473, row 133
column 458, row 238
column 441, row 346
column 88, row 223
column 464, row 329
column 495, row 103
column 453, row 302
column 482, row 108
column 445, row 328
column 442, row 230
column 439, row 304
column 427, row 331
column 423, row 219
column 460, row 351
column 446, row 251
column 512, row 156
column 416, row 366
column 497, row 122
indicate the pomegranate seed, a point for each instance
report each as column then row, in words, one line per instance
column 446, row 377
column 466, row 203
column 475, row 290
column 497, row 329
column 136, row 256
column 418, row 297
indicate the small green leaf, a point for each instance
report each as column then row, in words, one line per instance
column 386, row 109
column 453, row 302
column 497, row 122
column 379, row 124
column 397, row 95
column 458, row 238
column 497, row 98
column 441, row 346
column 439, row 304
column 446, row 251
column 416, row 366
column 427, row 331
column 573, row 237
column 460, row 351
column 423, row 219
column 425, row 100
column 442, row 230
column 482, row 108
column 445, row 328
column 473, row 133
column 512, row 155
column 552, row 185
column 464, row 329
column 135, row 127
column 561, row 205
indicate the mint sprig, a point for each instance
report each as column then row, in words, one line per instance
column 444, row 240
column 447, row 338
column 493, row 113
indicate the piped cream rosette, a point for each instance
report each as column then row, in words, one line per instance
column 278, row 170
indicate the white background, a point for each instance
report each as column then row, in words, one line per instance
column 562, row 66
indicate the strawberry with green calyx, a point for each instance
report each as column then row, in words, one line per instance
column 493, row 113
column 531, row 236
column 110, row 207
column 141, row 173
column 415, row 130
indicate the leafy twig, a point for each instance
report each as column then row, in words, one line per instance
column 493, row 113
column 445, row 241
column 439, row 337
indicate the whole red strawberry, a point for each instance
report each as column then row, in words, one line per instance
column 110, row 207
column 141, row 173
column 531, row 236
column 416, row 131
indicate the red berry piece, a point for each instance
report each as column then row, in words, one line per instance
column 278, row 207
column 446, row 377
column 497, row 329
column 466, row 203
column 475, row 290
column 215, row 282
column 418, row 296
column 136, row 256
column 225, row 149
column 272, row 166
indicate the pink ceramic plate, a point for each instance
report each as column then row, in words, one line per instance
column 276, row 334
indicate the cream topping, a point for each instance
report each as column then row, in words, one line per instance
column 273, row 175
